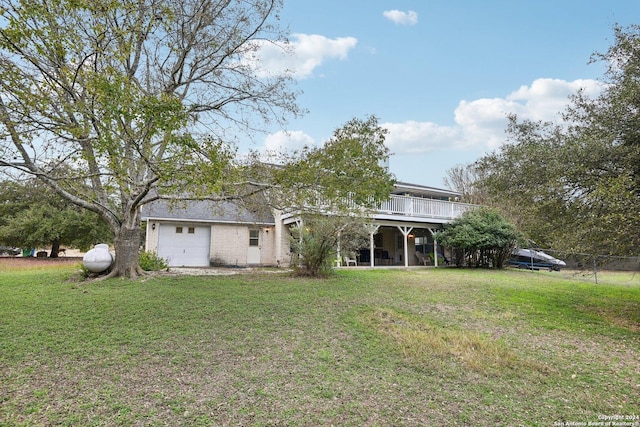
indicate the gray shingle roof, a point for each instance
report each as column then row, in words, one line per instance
column 204, row 211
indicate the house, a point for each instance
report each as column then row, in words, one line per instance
column 205, row 233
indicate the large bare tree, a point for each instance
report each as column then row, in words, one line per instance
column 116, row 103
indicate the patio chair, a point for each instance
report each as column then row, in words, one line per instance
column 348, row 261
column 424, row 260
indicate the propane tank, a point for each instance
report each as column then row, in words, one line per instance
column 98, row 259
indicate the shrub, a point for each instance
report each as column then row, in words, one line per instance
column 150, row 261
column 480, row 238
column 315, row 242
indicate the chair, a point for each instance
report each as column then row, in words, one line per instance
column 424, row 260
column 348, row 261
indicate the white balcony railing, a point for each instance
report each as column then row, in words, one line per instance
column 407, row 206
column 423, row 208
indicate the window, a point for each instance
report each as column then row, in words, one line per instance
column 192, row 230
column 179, row 230
column 254, row 237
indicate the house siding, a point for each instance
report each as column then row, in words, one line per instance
column 230, row 244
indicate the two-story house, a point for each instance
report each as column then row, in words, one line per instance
column 203, row 233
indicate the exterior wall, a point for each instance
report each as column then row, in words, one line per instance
column 285, row 255
column 281, row 244
column 268, row 246
column 151, row 239
column 230, row 244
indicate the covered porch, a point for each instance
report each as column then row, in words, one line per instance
column 397, row 244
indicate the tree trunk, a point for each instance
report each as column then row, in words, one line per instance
column 127, row 245
column 55, row 249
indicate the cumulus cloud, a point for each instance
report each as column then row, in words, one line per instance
column 418, row 137
column 287, row 141
column 300, row 56
column 401, row 18
column 279, row 145
column 480, row 124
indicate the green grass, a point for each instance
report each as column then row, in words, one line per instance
column 384, row 347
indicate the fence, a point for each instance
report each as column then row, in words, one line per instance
column 599, row 268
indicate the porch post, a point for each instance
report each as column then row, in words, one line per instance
column 373, row 229
column 435, row 248
column 405, row 232
column 338, row 257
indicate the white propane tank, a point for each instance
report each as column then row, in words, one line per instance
column 98, row 259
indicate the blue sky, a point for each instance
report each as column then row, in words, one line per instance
column 441, row 75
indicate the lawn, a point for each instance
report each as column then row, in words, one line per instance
column 386, row 347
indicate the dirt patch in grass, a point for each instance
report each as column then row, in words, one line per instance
column 27, row 263
column 426, row 344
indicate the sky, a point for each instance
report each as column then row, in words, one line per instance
column 440, row 75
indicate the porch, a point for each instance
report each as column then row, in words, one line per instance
column 400, row 245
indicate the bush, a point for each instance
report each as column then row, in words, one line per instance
column 314, row 242
column 480, row 238
column 150, row 261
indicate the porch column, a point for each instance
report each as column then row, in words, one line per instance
column 373, row 229
column 435, row 248
column 338, row 257
column 405, row 232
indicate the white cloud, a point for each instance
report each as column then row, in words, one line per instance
column 418, row 137
column 301, row 56
column 287, row 141
column 546, row 97
column 400, row 17
column 480, row 124
column 278, row 146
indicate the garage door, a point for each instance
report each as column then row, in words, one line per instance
column 184, row 245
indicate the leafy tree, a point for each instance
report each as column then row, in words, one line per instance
column 334, row 188
column 315, row 240
column 575, row 185
column 346, row 175
column 115, row 104
column 33, row 216
column 480, row 237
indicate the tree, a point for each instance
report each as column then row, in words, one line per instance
column 315, row 241
column 333, row 188
column 33, row 216
column 480, row 237
column 575, row 185
column 115, row 104
column 346, row 175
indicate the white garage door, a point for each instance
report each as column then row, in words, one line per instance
column 184, row 245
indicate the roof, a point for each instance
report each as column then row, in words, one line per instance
column 228, row 212
column 423, row 190
column 204, row 211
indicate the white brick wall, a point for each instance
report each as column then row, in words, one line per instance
column 230, row 243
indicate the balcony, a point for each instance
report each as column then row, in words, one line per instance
column 421, row 208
